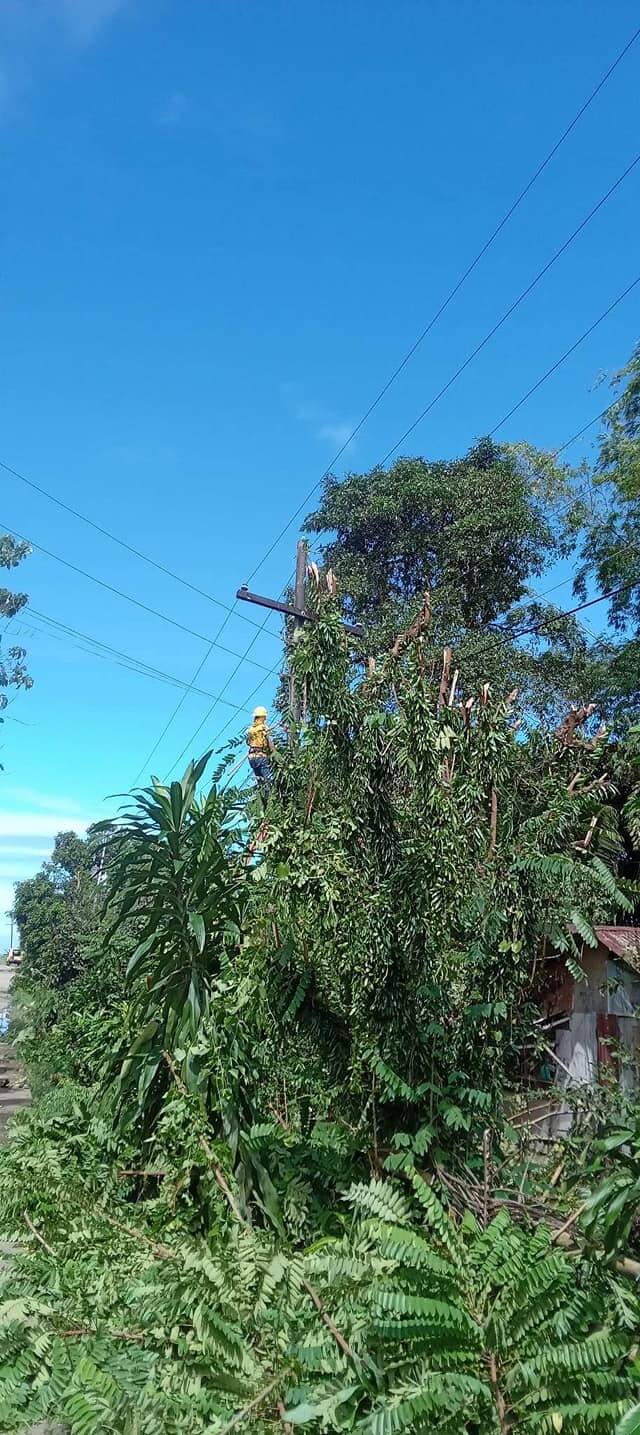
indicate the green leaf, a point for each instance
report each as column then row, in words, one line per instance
column 630, row 1423
column 140, row 952
column 302, row 1414
column 584, row 928
column 196, row 922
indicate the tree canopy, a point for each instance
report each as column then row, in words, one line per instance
column 611, row 547
column 474, row 532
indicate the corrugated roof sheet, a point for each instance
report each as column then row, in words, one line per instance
column 624, row 942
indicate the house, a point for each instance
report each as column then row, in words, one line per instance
column 591, row 1026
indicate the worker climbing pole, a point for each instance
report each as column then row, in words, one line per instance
column 260, row 744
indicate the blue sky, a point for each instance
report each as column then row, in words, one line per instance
column 223, row 225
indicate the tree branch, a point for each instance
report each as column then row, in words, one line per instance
column 38, row 1237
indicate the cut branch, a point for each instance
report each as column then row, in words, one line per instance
column 249, row 1409
column 38, row 1237
column 423, row 619
column 444, row 679
column 330, row 1324
column 163, row 1253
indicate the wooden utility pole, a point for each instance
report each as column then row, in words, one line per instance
column 296, row 700
column 295, row 610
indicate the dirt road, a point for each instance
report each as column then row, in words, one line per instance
column 14, row 1093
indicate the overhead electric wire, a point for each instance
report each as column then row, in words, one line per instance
column 520, row 633
column 97, row 648
column 575, row 436
column 207, row 715
column 128, row 598
column 567, row 355
column 432, row 321
column 569, row 612
column 530, row 391
column 451, row 295
column 524, row 632
column 129, row 547
column 242, row 658
column 511, row 310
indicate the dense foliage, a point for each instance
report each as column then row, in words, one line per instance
column 276, row 1175
column 347, row 991
column 475, row 532
column 611, row 548
column 69, row 986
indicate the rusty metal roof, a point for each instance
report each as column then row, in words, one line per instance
column 624, row 942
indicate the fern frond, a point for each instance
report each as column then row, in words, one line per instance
column 381, row 1199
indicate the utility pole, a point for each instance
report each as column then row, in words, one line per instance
column 295, row 703
column 295, row 610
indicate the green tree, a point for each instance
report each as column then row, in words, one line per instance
column 56, row 912
column 70, row 985
column 12, row 669
column 473, row 532
column 419, row 853
column 611, row 549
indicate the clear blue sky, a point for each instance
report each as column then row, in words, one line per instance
column 223, row 225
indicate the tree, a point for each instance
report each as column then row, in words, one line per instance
column 419, row 854
column 70, row 983
column 12, row 670
column 611, row 548
column 56, row 912
column 474, row 532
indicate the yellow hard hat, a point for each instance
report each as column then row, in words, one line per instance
column 259, row 712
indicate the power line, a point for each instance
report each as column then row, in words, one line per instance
column 242, row 658
column 574, row 437
column 99, row 649
column 488, row 336
column 213, row 705
column 566, row 355
column 520, row 633
column 556, row 452
column 451, row 295
column 530, row 391
column 535, row 596
column 207, row 715
column 129, row 547
column 569, row 612
column 434, row 319
column 511, row 310
column 128, row 598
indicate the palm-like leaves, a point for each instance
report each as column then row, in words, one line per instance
column 173, row 871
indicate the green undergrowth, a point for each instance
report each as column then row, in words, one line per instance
column 269, row 1179
column 140, row 1304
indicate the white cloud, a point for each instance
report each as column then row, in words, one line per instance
column 15, row 849
column 44, row 801
column 30, row 30
column 323, row 422
column 38, row 824
column 82, row 19
column 336, row 434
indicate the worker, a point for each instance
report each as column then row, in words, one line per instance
column 260, row 749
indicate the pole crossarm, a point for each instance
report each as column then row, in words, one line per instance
column 355, row 629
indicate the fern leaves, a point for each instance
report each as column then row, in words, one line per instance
column 464, row 1329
